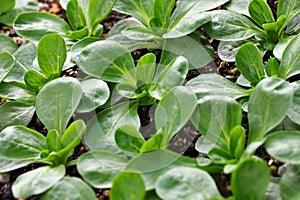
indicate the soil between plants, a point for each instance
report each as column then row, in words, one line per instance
column 183, row 142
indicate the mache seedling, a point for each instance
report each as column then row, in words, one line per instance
column 263, row 29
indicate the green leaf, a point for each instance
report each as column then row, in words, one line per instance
column 7, row 164
column 77, row 35
column 191, row 47
column 21, row 143
column 51, row 55
column 53, row 141
column 6, row 65
column 17, row 91
column 57, row 101
column 173, row 111
column 163, row 10
column 230, row 26
column 215, row 85
column 145, row 68
column 98, row 168
column 270, row 93
column 216, row 117
column 182, row 16
column 260, row 12
column 34, row 25
column 294, row 111
column 71, row 137
column 6, row 5
column 35, row 79
column 6, row 43
column 242, row 181
column 273, row 192
column 95, row 94
column 288, row 8
column 129, row 140
column 21, row 6
column 15, row 113
column 107, row 60
column 289, row 183
column 97, row 12
column 75, row 15
column 154, row 143
column 281, row 46
column 186, row 183
column 141, row 33
column 239, row 6
column 77, row 48
column 139, row 9
column 101, row 129
column 283, row 146
column 250, row 64
column 227, row 49
column 272, row 67
column 290, row 62
column 70, row 188
column 237, row 141
column 37, row 181
column 128, row 186
column 169, row 76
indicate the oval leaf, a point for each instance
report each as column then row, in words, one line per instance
column 6, row 43
column 99, row 168
column 57, row 102
column 289, row 183
column 186, row 183
column 37, row 181
column 6, row 65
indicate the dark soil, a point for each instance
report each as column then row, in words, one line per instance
column 183, row 142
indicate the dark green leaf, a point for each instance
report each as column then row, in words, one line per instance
column 15, row 113
column 272, row 67
column 269, row 94
column 128, row 186
column 57, row 102
column 6, row 43
column 215, row 85
column 53, row 141
column 75, row 15
column 95, row 94
column 290, row 62
column 129, row 140
column 163, row 10
column 289, row 183
column 34, row 25
column 246, row 185
column 186, row 183
column 6, row 65
column 101, row 129
column 51, row 55
column 237, row 141
column 70, row 188
column 35, row 79
column 249, row 62
column 173, row 111
column 6, row 5
column 107, row 60
column 99, row 168
column 77, row 35
column 260, row 12
column 37, row 181
column 284, row 146
column 231, row 26
column 21, row 143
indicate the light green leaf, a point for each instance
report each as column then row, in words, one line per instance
column 260, row 12
column 289, row 183
column 270, row 93
column 77, row 48
column 284, row 146
column 99, row 168
column 95, row 94
column 154, row 143
column 37, row 181
column 15, row 113
column 70, row 188
column 51, row 55
column 107, row 60
column 35, row 80
column 145, row 68
column 163, row 10
column 57, row 102
column 6, row 65
column 215, row 85
column 290, row 62
column 173, row 111
column 21, row 143
column 240, row 6
column 231, row 26
column 6, row 43
column 288, row 8
column 186, row 183
column 7, row 164
column 250, row 64
column 294, row 111
column 53, row 141
column 34, row 25
column 142, row 34
column 128, row 186
column 242, row 181
column 101, row 129
column 281, row 46
column 129, row 140
column 71, row 137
